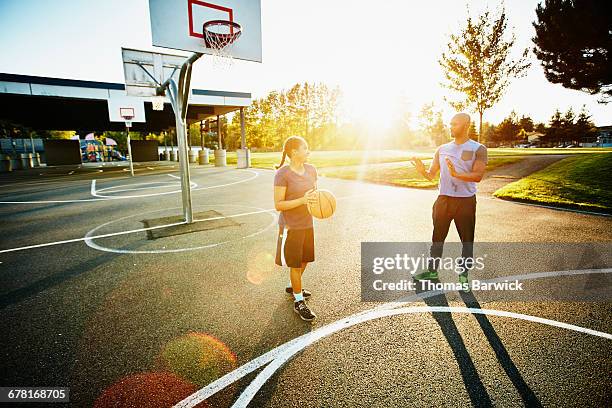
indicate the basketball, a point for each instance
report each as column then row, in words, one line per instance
column 325, row 205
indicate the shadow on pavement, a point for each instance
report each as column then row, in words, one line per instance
column 284, row 325
column 527, row 395
column 473, row 384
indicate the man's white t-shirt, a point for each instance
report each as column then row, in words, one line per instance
column 463, row 157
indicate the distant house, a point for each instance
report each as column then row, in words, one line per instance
column 604, row 136
column 534, row 137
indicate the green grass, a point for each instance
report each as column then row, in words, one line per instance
column 526, row 152
column 579, row 182
column 322, row 159
column 402, row 175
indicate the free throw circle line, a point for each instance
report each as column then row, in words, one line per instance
column 89, row 240
column 114, row 234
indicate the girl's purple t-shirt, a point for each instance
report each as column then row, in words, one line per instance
column 297, row 185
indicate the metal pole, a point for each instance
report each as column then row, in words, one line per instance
column 242, row 130
column 183, row 159
column 202, row 135
column 130, row 151
column 219, row 132
column 179, row 99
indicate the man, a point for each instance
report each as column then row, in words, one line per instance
column 462, row 164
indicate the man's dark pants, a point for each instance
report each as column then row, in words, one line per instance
column 446, row 209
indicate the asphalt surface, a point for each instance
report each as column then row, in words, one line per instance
column 94, row 313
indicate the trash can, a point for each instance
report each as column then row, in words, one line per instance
column 193, row 156
column 5, row 163
column 36, row 159
column 244, row 158
column 220, row 158
column 26, row 160
column 174, row 155
column 203, row 156
column 167, row 155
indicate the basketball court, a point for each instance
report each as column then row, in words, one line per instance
column 98, row 297
column 159, row 288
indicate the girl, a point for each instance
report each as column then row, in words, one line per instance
column 294, row 188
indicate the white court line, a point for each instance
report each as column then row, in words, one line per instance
column 290, row 348
column 89, row 240
column 106, row 198
column 92, row 190
column 178, row 191
column 97, row 192
column 138, row 230
column 113, row 234
column 249, row 393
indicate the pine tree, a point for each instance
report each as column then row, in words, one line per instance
column 573, row 43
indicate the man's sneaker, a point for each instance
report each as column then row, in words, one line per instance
column 463, row 279
column 305, row 292
column 303, row 310
column 427, row 275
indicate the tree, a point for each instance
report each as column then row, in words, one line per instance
column 472, row 134
column 540, row 128
column 432, row 124
column 478, row 64
column 488, row 133
column 508, row 129
column 567, row 126
column 554, row 130
column 526, row 123
column 574, row 44
column 585, row 129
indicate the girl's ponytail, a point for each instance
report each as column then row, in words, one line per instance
column 278, row 166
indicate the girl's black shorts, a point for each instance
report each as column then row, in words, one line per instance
column 294, row 247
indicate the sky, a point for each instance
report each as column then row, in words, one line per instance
column 378, row 53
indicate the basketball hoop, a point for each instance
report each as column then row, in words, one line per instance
column 127, row 114
column 158, row 103
column 219, row 35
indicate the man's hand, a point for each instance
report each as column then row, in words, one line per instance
column 477, row 173
column 451, row 167
column 420, row 167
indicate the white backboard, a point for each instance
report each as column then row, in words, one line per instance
column 178, row 24
column 119, row 106
column 137, row 63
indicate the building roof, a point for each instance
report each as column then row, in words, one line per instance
column 63, row 104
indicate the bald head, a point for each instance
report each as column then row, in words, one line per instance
column 460, row 124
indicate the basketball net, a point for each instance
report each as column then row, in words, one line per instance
column 158, row 103
column 219, row 37
column 128, row 120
